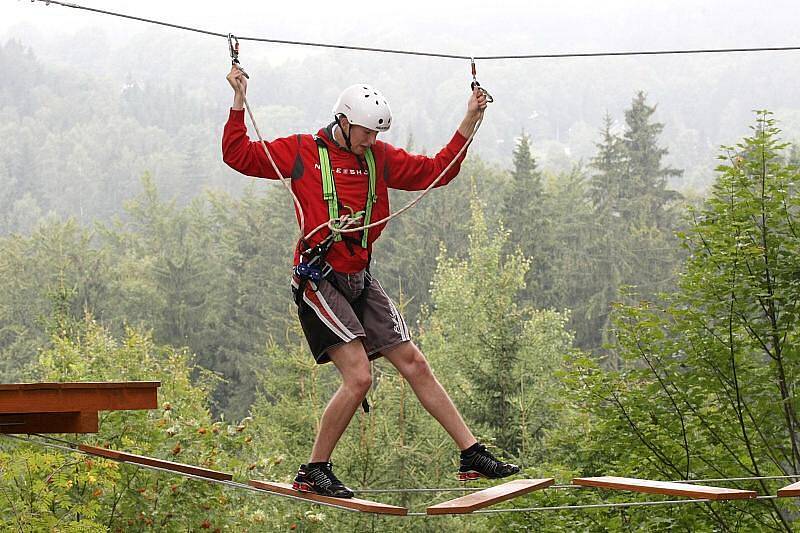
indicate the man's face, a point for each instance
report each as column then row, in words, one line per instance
column 361, row 139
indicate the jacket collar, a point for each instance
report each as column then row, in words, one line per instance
column 326, row 133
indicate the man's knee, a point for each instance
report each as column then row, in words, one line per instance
column 412, row 363
column 359, row 382
column 352, row 362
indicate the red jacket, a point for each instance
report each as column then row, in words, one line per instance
column 297, row 157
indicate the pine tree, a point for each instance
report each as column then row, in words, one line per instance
column 607, row 186
column 523, row 214
column 647, row 177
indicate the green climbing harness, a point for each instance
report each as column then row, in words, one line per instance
column 330, row 196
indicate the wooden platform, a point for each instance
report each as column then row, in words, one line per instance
column 69, row 407
column 490, row 496
column 665, row 487
column 158, row 463
column 49, row 422
column 790, row 491
column 365, row 506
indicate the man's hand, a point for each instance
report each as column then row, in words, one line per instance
column 475, row 107
column 239, row 83
column 477, row 102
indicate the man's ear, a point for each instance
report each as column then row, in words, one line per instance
column 345, row 124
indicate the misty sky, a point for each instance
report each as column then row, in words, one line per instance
column 557, row 100
column 423, row 25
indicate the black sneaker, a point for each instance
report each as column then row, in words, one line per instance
column 319, row 479
column 477, row 462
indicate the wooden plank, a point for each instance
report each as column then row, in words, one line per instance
column 789, row 491
column 80, row 385
column 365, row 506
column 73, row 397
column 85, row 422
column 485, row 498
column 158, row 463
column 665, row 487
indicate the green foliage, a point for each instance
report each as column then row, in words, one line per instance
column 499, row 357
column 56, row 267
column 47, row 490
column 706, row 385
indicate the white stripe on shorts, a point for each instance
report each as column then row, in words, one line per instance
column 337, row 327
column 399, row 318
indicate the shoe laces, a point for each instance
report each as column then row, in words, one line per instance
column 323, row 475
column 482, row 458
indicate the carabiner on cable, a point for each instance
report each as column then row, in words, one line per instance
column 233, row 47
column 477, row 84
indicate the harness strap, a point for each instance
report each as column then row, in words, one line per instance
column 329, row 186
column 330, row 196
column 372, row 196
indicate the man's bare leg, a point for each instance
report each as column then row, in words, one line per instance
column 412, row 365
column 351, row 361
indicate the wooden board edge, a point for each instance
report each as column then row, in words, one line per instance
column 355, row 504
column 56, row 385
column 438, row 508
column 100, row 452
column 790, row 491
column 735, row 494
column 158, row 463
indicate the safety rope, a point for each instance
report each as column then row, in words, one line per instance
column 431, row 54
column 346, row 222
column 72, row 447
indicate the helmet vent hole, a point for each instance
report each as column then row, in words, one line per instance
column 380, row 121
column 366, row 96
column 377, row 103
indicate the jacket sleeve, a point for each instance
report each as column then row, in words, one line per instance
column 248, row 157
column 411, row 172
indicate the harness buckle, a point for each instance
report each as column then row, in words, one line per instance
column 308, row 271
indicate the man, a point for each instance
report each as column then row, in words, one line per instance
column 346, row 316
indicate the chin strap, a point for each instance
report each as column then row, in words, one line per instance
column 344, row 133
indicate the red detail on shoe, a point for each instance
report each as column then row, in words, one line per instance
column 468, row 476
column 301, row 487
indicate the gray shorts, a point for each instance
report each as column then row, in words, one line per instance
column 344, row 307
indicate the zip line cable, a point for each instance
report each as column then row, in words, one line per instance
column 347, row 223
column 430, row 54
column 71, row 447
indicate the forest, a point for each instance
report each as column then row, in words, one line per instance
column 591, row 317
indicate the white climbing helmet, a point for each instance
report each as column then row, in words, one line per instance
column 364, row 106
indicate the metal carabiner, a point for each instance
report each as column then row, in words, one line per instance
column 476, row 83
column 233, row 47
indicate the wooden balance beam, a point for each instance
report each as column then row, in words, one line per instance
column 789, row 491
column 69, row 407
column 490, row 496
column 123, row 457
column 364, row 506
column 665, row 487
